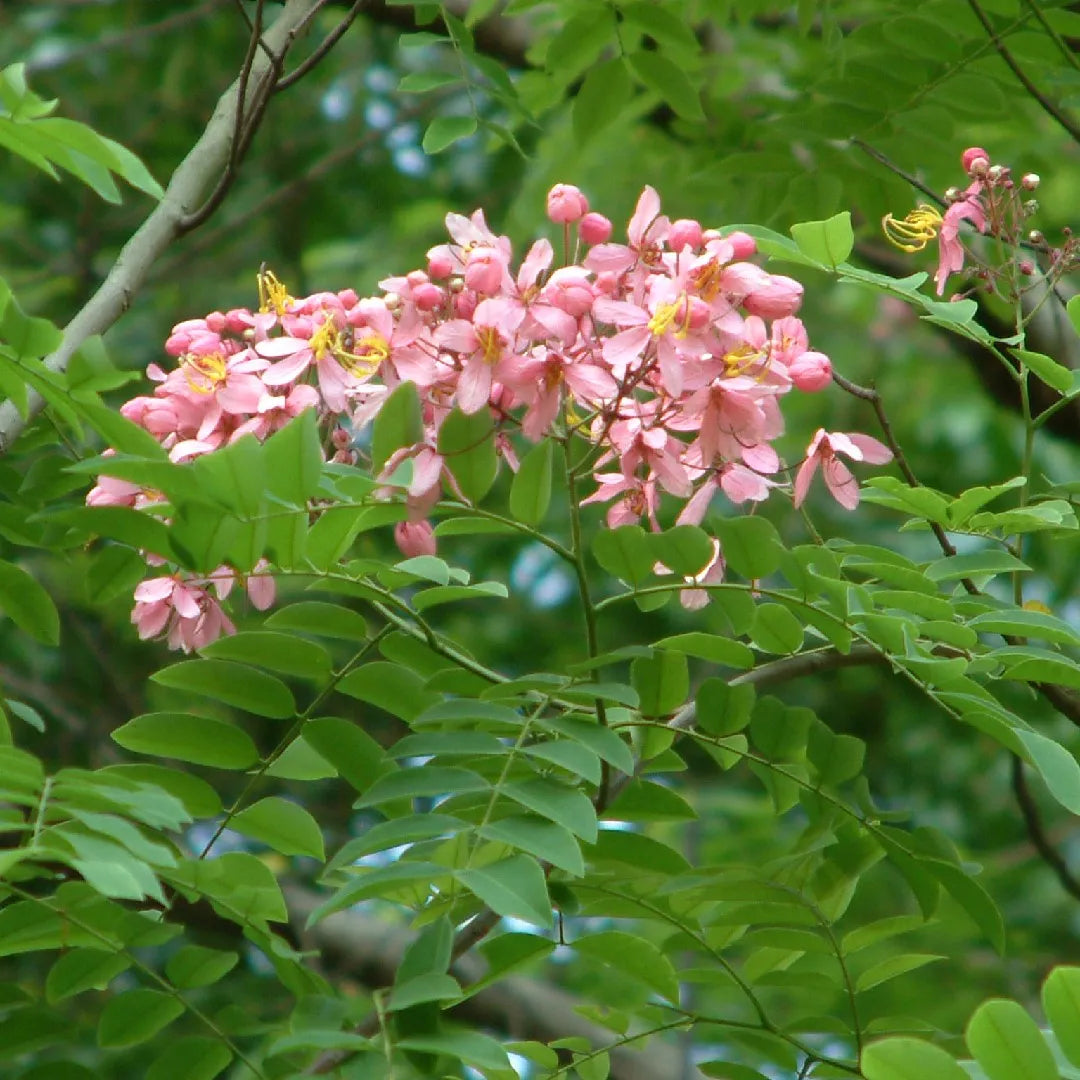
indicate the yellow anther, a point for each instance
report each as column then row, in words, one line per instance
column 205, row 374
column 273, row 296
column 325, row 340
column 742, row 358
column 666, row 314
column 914, row 232
column 368, row 353
column 490, row 342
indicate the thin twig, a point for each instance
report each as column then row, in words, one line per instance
column 1037, row 833
column 1044, row 102
column 317, row 56
column 884, row 159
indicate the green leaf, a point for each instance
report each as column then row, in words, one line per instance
column 625, row 553
column 423, row 782
column 514, row 888
column 320, row 618
column 634, row 956
column 662, row 682
column 389, row 686
column 357, row 757
column 1061, row 1004
column 198, row 739
column 28, row 605
column 829, row 242
column 972, row 897
column 282, row 825
column 286, row 654
column 544, row 839
column 433, row 986
column 1023, row 623
column 903, row 1058
column 397, row 424
column 751, row 545
column 563, row 805
column 196, row 1057
column 976, row 564
column 83, row 969
column 195, row 965
column 448, row 594
column 136, row 1016
column 1007, row 1043
column 723, row 709
column 776, row 630
column 294, row 460
column 892, row 967
column 1056, row 765
column 712, row 647
column 1048, row 370
column 471, row 1047
column 467, row 443
column 530, row 491
column 684, row 549
column 420, row 82
column 231, row 683
column 670, row 81
column 601, row 99
column 444, row 131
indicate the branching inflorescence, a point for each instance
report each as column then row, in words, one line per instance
column 667, row 356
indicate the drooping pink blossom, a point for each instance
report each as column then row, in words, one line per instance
column 823, row 450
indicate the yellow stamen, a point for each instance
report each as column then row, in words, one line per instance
column 490, row 342
column 913, row 232
column 367, row 355
column 666, row 314
column 325, row 340
column 273, row 296
column 742, row 358
column 706, row 279
column 205, row 374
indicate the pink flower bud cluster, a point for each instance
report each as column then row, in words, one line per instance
column 671, row 352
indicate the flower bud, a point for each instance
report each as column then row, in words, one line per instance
column 1036, row 237
column 811, row 371
column 779, row 297
column 594, row 228
column 743, row 244
column 566, row 204
column 684, row 233
column 1027, row 267
column 440, row 265
column 975, row 161
column 414, row 538
column 953, row 194
column 427, row 297
column 484, row 271
column 416, row 277
column 216, row 321
column 996, row 172
column 1029, row 181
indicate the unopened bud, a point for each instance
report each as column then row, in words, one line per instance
column 975, row 161
column 1036, row 237
column 1031, row 206
column 995, row 172
column 1029, row 181
column 1027, row 267
column 594, row 228
column 953, row 194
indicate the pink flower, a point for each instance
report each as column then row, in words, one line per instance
column 633, row 498
column 950, row 250
column 594, row 228
column 566, row 204
column 188, row 613
column 822, row 451
column 811, row 371
column 711, row 574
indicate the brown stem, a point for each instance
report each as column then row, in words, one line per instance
column 1036, row 832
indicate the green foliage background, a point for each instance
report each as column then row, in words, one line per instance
column 755, row 112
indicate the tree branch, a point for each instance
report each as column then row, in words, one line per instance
column 1037, row 833
column 521, row 1008
column 193, row 179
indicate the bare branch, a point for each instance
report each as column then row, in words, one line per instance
column 190, row 183
column 1037, row 833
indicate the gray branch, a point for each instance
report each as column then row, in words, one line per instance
column 516, row 1007
column 193, row 180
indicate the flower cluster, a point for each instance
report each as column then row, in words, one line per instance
column 993, row 203
column 669, row 352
